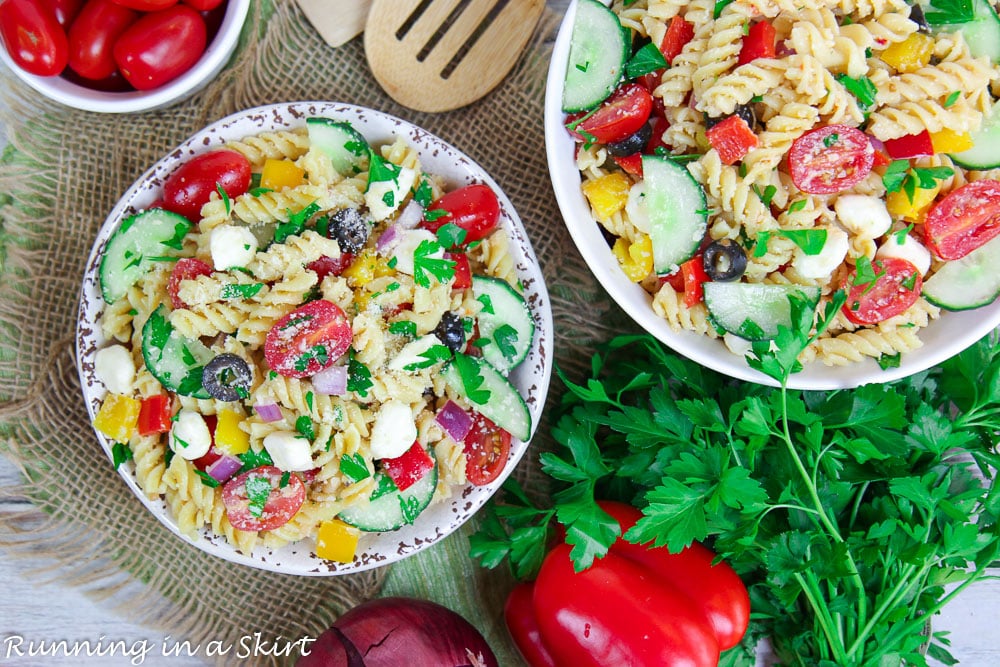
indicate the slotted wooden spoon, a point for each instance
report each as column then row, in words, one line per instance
column 438, row 55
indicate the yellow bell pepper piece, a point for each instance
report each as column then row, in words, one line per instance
column 607, row 194
column 365, row 267
column 337, row 541
column 911, row 54
column 949, row 141
column 636, row 259
column 229, row 437
column 281, row 174
column 117, row 417
column 899, row 205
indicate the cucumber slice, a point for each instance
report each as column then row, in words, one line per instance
column 175, row 361
column 985, row 154
column 677, row 211
column 143, row 238
column 346, row 148
column 982, row 34
column 751, row 310
column 390, row 508
column 490, row 393
column 504, row 321
column 598, row 51
column 970, row 282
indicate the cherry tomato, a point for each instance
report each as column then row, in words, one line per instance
column 33, row 37
column 92, row 38
column 620, row 116
column 188, row 188
column 308, row 339
column 486, row 449
column 474, row 208
column 65, row 10
column 895, row 288
column 146, row 5
column 115, row 83
column 203, row 5
column 251, row 510
column 830, row 159
column 161, row 46
column 185, row 269
column 330, row 266
column 963, row 220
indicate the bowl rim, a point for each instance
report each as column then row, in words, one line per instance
column 939, row 341
column 216, row 55
column 532, row 377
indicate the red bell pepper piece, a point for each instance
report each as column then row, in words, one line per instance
column 679, row 33
column 630, row 164
column 912, row 145
column 463, row 272
column 411, row 466
column 732, row 138
column 881, row 159
column 660, row 126
column 154, row 415
column 694, row 274
column 758, row 43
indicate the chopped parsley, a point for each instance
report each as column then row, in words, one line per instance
column 719, row 6
column 404, row 328
column 429, row 357
column 426, row 265
column 797, row 205
column 487, row 303
column 951, row 99
column 472, row 380
column 899, row 175
column 252, row 459
column 258, row 489
column 831, row 139
column 767, row 195
column 862, row 88
column 225, row 197
column 207, row 479
column 646, row 60
column 505, row 337
column 285, row 478
column 450, row 235
column 257, row 192
column 359, row 377
column 120, row 453
column 424, row 194
column 353, row 467
column 317, row 353
column 305, row 427
column 811, row 241
column 950, row 12
column 236, row 291
column 296, row 223
column 381, row 169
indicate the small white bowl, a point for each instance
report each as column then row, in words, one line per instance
column 944, row 338
column 531, row 377
column 216, row 56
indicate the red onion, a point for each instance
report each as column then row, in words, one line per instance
column 455, row 421
column 268, row 412
column 400, row 631
column 331, row 381
column 877, row 144
column 388, row 239
column 224, row 467
column 410, row 216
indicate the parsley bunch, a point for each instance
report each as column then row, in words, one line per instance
column 846, row 513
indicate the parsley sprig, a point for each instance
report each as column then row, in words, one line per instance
column 899, row 175
column 845, row 512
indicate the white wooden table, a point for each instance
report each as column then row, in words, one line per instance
column 33, row 610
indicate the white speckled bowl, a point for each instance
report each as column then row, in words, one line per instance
column 216, row 55
column 944, row 338
column 437, row 157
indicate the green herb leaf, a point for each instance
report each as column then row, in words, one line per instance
column 404, row 328
column 433, row 355
column 862, row 88
column 719, row 6
column 120, row 453
column 354, row 468
column 472, row 379
column 647, row 59
column 304, row 425
column 359, row 378
column 810, row 240
column 426, row 265
column 225, row 197
column 296, row 223
column 894, row 175
column 450, row 235
column 424, row 194
column 950, row 12
column 241, row 291
column 505, row 337
column 951, row 99
column 258, row 489
column 381, row 169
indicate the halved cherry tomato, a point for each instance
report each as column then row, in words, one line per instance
column 161, row 46
column 830, row 159
column 758, row 43
column 463, row 272
column 146, row 5
column 186, row 268
column 963, row 220
column 620, row 116
column 409, row 467
column 33, row 37
column 330, row 266
column 154, row 415
column 895, row 288
column 188, row 188
column 65, row 10
column 93, row 35
column 486, row 449
column 308, row 339
column 475, row 208
column 247, row 506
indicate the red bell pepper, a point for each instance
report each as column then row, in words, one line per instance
column 639, row 606
column 630, row 164
column 689, row 280
column 408, row 468
column 912, row 145
column 758, row 43
column 154, row 415
column 463, row 272
column 679, row 33
column 732, row 138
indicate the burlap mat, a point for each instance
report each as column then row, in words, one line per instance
column 62, row 173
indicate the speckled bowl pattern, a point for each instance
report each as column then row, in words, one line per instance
column 437, row 157
column 944, row 338
column 216, row 55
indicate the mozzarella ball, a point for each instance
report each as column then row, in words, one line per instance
column 115, row 369
column 189, row 435
column 232, row 246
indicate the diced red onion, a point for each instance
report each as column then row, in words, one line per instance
column 268, row 412
column 224, row 467
column 331, row 381
column 388, row 239
column 876, row 144
column 410, row 216
column 455, row 421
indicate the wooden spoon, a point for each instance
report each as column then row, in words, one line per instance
column 438, row 55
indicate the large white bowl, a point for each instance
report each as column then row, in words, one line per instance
column 944, row 338
column 531, row 378
column 216, row 55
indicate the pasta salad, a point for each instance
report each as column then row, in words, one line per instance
column 743, row 154
column 310, row 339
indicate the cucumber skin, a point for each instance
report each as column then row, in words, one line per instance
column 662, row 243
column 354, row 516
column 987, row 140
column 153, row 368
column 345, row 162
column 593, row 101
column 497, row 360
column 111, row 291
column 812, row 294
column 454, row 380
column 989, row 250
